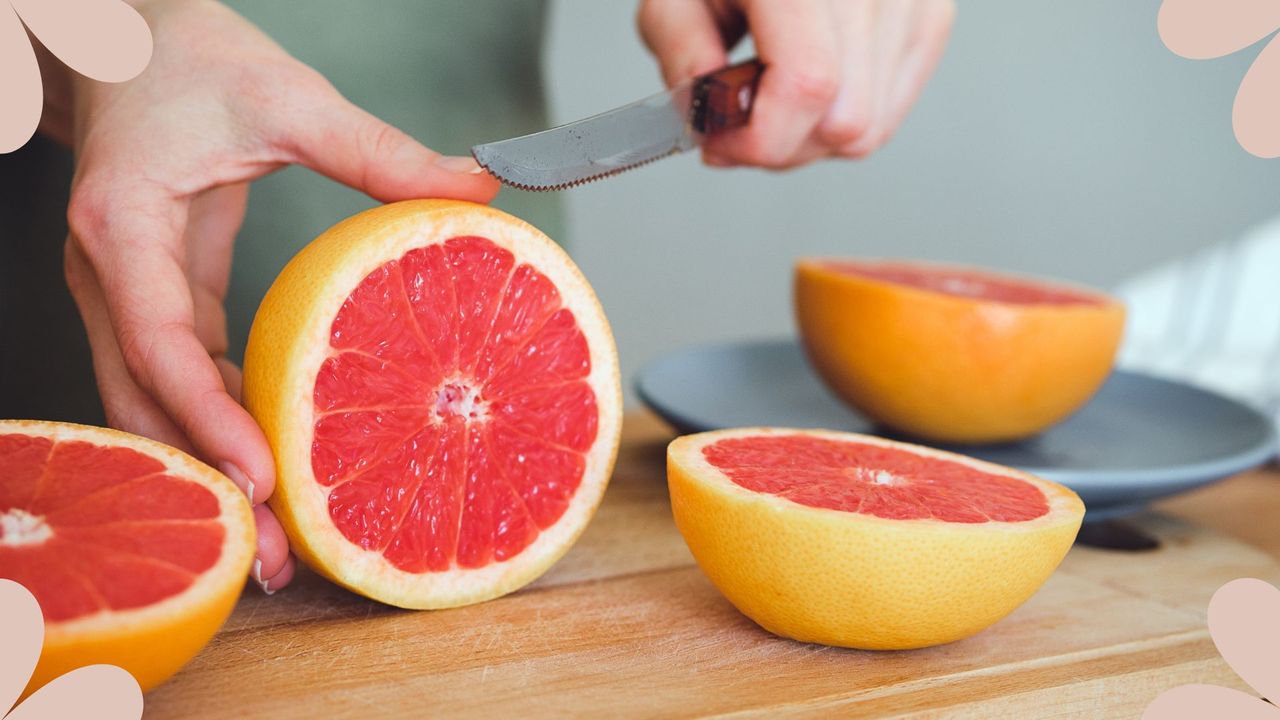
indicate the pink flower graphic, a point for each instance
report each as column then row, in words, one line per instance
column 1244, row 621
column 1201, row 29
column 105, row 40
column 98, row 691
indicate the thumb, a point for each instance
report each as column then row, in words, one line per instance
column 343, row 142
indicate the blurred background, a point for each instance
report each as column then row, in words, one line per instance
column 1058, row 139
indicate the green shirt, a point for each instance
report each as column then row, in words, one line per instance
column 449, row 73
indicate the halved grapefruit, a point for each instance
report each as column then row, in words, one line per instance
column 862, row 542
column 440, row 389
column 135, row 552
column 954, row 354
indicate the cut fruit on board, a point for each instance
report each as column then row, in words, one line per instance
column 857, row 541
column 135, row 552
column 954, row 354
column 440, row 388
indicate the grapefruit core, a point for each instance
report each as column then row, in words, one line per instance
column 954, row 354
column 862, row 542
column 135, row 552
column 440, row 388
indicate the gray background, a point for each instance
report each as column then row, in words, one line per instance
column 1060, row 139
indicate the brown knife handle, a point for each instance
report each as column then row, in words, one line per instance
column 722, row 100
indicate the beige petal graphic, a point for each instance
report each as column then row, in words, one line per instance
column 1200, row 29
column 22, row 627
column 106, row 40
column 1197, row 702
column 1256, row 114
column 20, row 93
column 1244, row 620
column 105, row 692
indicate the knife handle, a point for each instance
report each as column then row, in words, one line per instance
column 722, row 99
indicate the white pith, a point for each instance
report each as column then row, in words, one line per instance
column 308, row 499
column 460, row 396
column 232, row 564
column 20, row 528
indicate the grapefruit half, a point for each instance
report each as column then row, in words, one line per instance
column 440, row 388
column 862, row 542
column 954, row 354
column 135, row 552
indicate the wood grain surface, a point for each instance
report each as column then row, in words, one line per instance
column 626, row 626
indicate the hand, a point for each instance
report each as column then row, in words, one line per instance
column 158, row 196
column 840, row 75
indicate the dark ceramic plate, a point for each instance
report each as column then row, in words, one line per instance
column 1139, row 439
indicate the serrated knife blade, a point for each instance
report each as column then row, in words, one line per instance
column 626, row 137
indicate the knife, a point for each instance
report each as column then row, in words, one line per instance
column 632, row 135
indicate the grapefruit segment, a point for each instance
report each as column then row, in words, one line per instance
column 135, row 552
column 863, row 542
column 954, row 354
column 441, row 391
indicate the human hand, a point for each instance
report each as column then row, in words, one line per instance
column 162, row 166
column 839, row 79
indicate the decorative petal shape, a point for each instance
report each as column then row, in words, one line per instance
column 1244, row 620
column 21, row 95
column 106, row 40
column 22, row 627
column 105, row 692
column 1195, row 702
column 1199, row 29
column 1256, row 114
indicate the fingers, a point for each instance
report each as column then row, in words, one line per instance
column 213, row 220
column 126, row 406
column 850, row 114
column 357, row 149
column 840, row 75
column 908, row 40
column 885, row 46
column 135, row 258
column 273, row 567
column 685, row 36
column 932, row 29
column 799, row 46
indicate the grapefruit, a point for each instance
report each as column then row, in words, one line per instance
column 954, row 354
column 135, row 552
column 862, row 542
column 440, row 389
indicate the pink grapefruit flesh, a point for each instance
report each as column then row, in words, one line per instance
column 967, row 283
column 88, row 528
column 452, row 425
column 134, row 551
column 874, row 479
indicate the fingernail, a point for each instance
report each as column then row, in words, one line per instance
column 238, row 477
column 257, row 577
column 459, row 164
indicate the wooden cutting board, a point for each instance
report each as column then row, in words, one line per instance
column 626, row 626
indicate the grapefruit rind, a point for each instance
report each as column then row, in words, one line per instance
column 857, row 580
column 154, row 641
column 290, row 339
column 954, row 368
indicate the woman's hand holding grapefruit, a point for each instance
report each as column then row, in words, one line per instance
column 159, row 194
